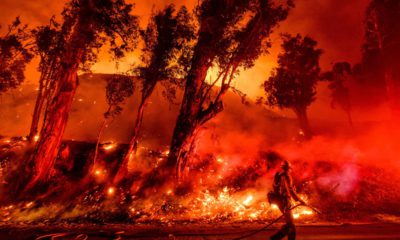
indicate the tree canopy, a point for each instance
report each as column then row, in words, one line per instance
column 15, row 54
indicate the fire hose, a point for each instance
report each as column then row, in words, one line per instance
column 274, row 221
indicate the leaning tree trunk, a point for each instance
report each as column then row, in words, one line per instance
column 304, row 124
column 133, row 145
column 99, row 135
column 42, row 97
column 58, row 110
column 188, row 121
column 53, row 129
column 37, row 110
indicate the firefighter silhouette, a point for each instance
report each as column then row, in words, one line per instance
column 281, row 195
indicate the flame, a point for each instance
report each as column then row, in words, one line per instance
column 111, row 191
column 248, row 200
column 36, row 138
column 109, row 146
column 166, row 152
column 29, row 204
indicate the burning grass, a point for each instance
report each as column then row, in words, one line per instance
column 338, row 177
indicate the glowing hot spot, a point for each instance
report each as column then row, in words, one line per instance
column 248, row 200
column 36, row 138
column 111, row 191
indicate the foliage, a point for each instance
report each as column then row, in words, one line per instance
column 15, row 54
column 119, row 87
column 338, row 79
column 292, row 84
column 166, row 50
column 110, row 22
column 244, row 40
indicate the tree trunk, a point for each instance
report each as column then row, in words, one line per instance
column 133, row 145
column 58, row 110
column 103, row 125
column 304, row 124
column 37, row 111
column 53, row 129
column 187, row 121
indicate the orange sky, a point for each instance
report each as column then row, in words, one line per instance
column 335, row 24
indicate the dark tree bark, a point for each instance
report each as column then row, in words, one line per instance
column 188, row 116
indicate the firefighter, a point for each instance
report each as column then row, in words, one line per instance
column 282, row 194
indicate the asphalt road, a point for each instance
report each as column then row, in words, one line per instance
column 121, row 232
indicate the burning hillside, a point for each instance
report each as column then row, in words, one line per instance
column 345, row 179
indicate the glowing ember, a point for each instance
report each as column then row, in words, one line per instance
column 166, row 153
column 111, row 191
column 109, row 146
column 248, row 200
column 36, row 138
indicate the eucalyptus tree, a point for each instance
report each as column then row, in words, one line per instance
column 90, row 24
column 232, row 35
column 167, row 42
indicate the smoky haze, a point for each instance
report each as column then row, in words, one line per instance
column 336, row 24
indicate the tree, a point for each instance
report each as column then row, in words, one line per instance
column 49, row 44
column 292, row 84
column 232, row 34
column 381, row 47
column 338, row 79
column 166, row 39
column 91, row 24
column 15, row 54
column 119, row 87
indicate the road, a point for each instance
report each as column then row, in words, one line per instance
column 197, row 231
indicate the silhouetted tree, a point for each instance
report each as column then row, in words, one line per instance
column 166, row 40
column 232, row 34
column 339, row 78
column 381, row 47
column 15, row 54
column 91, row 24
column 118, row 88
column 293, row 83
